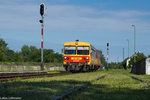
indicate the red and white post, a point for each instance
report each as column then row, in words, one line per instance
column 42, row 26
column 107, row 55
column 42, row 64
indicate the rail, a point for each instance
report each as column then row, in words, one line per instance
column 12, row 76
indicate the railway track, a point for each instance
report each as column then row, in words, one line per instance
column 12, row 76
column 93, row 86
column 139, row 79
column 66, row 94
column 7, row 76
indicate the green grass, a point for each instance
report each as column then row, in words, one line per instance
column 54, row 72
column 115, row 86
column 46, row 87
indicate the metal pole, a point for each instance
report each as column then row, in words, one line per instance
column 107, row 59
column 107, row 55
column 123, row 54
column 42, row 26
column 128, row 48
column 134, row 43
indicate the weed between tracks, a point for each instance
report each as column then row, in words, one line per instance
column 115, row 86
column 45, row 87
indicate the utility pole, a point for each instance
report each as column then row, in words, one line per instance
column 134, row 43
column 128, row 48
column 123, row 54
column 42, row 26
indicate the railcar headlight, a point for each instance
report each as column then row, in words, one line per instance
column 87, row 58
column 65, row 58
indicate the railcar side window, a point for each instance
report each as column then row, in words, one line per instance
column 93, row 52
column 70, row 49
column 83, row 50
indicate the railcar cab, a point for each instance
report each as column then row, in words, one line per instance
column 76, row 55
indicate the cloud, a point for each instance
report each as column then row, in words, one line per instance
column 71, row 18
column 126, row 13
column 81, row 18
column 60, row 0
column 18, row 17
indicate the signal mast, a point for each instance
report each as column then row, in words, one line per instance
column 107, row 55
column 42, row 6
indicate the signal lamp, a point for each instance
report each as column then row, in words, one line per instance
column 42, row 9
column 41, row 21
column 107, row 44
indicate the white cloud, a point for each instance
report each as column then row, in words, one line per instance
column 70, row 18
column 126, row 13
column 18, row 17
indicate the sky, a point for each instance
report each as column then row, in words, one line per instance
column 93, row 21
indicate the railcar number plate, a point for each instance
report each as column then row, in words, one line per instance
column 76, row 58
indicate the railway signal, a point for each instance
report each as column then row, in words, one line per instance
column 42, row 6
column 107, row 44
column 42, row 9
column 107, row 55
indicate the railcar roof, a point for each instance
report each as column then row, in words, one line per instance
column 77, row 43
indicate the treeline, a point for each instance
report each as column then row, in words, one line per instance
column 102, row 58
column 32, row 54
column 28, row 54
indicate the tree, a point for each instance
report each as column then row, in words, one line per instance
column 25, row 52
column 102, row 58
column 3, row 56
column 58, row 58
column 31, row 50
column 3, row 49
column 114, row 65
column 139, row 57
column 18, row 57
column 28, row 54
column 48, row 55
column 10, row 55
column 36, row 56
column 3, row 43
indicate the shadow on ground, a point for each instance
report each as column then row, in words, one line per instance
column 104, row 92
column 45, row 90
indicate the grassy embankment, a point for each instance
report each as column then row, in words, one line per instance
column 115, row 86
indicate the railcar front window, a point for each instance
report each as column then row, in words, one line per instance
column 70, row 50
column 83, row 50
